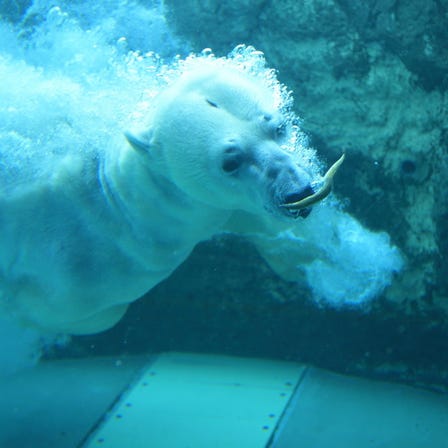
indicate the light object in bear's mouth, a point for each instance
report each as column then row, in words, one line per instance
column 321, row 193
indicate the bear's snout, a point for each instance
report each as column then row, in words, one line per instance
column 296, row 196
column 299, row 195
column 290, row 183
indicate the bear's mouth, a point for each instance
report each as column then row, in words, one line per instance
column 302, row 207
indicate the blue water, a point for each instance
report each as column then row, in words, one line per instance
column 76, row 75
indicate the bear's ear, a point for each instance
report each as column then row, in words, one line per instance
column 141, row 142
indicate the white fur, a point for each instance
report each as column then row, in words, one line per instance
column 80, row 244
column 95, row 229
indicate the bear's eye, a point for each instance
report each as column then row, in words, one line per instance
column 212, row 103
column 232, row 160
column 276, row 125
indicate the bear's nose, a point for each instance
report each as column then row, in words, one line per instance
column 297, row 196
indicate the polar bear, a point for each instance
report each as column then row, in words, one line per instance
column 83, row 242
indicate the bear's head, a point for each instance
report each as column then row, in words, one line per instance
column 217, row 135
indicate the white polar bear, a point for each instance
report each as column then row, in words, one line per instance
column 80, row 244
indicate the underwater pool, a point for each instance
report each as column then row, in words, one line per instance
column 151, row 220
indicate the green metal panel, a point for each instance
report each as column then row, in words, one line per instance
column 189, row 400
column 338, row 411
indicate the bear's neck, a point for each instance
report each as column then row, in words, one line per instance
column 164, row 222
